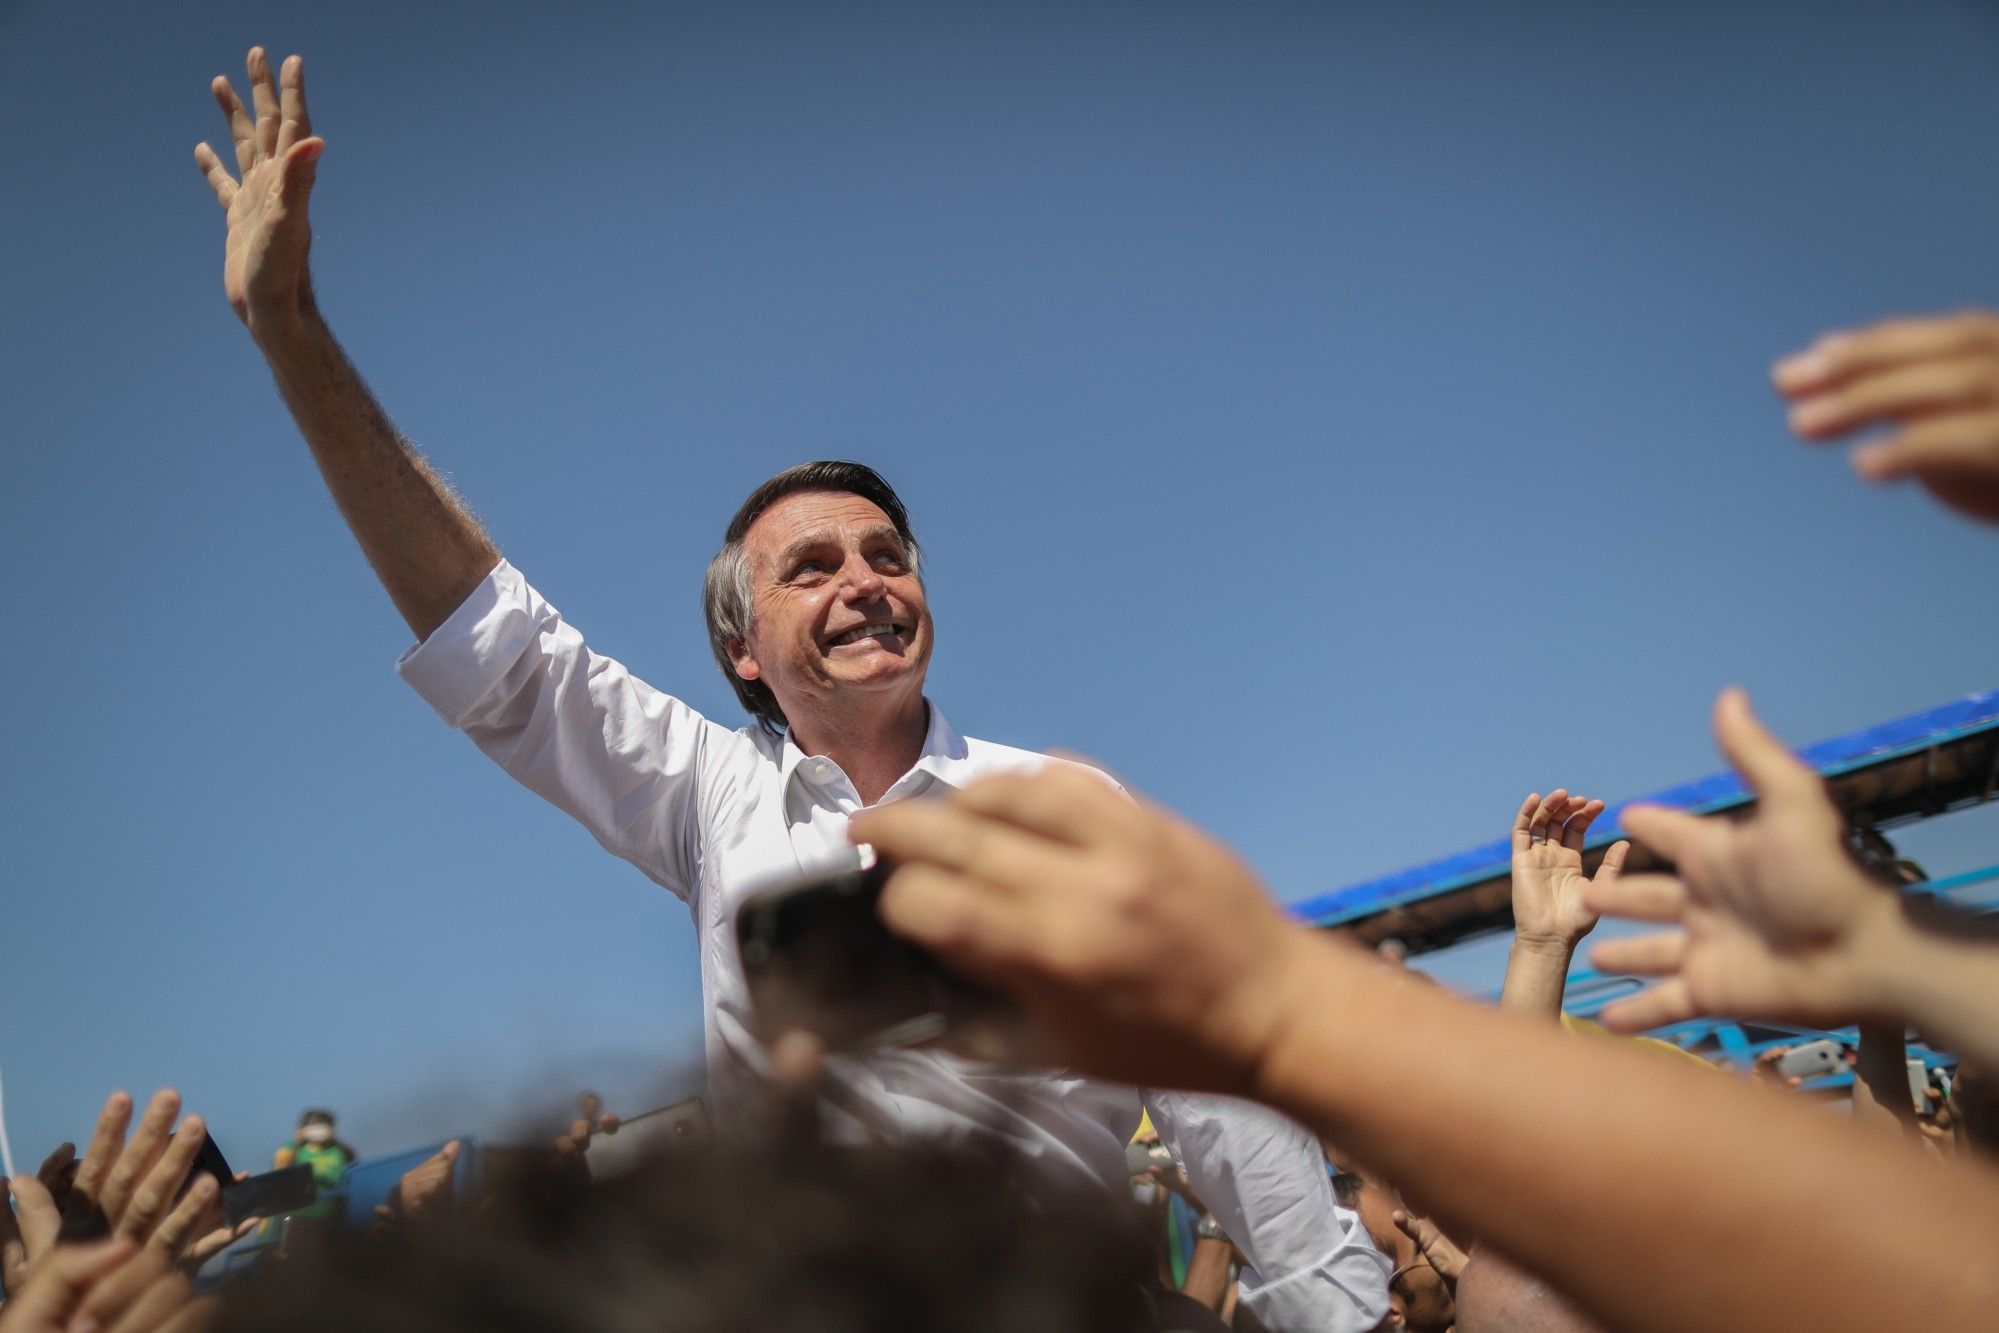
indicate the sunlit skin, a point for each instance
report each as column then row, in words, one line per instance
column 822, row 566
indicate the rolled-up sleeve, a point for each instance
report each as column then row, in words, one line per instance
column 569, row 724
column 1264, row 1177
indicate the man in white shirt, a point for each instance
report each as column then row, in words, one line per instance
column 817, row 615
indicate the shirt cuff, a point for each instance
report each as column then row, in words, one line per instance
column 466, row 657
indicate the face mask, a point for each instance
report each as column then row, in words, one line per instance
column 316, row 1133
column 1146, row 1192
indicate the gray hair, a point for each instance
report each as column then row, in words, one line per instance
column 726, row 599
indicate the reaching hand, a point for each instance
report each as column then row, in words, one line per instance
column 1936, row 380
column 1777, row 920
column 107, row 1284
column 424, row 1190
column 1442, row 1252
column 1146, row 950
column 135, row 1188
column 264, row 268
column 1548, row 879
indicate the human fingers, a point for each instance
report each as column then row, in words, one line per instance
column 194, row 1215
column 1769, row 767
column 961, row 919
column 300, row 170
column 208, row 1244
column 1839, row 356
column 1894, row 394
column 957, row 837
column 1660, row 898
column 1063, row 802
column 106, row 1138
column 1522, row 819
column 607, row 1123
column 37, row 1216
column 197, row 1316
column 218, row 177
column 295, row 123
column 1670, row 833
column 148, row 1142
column 1960, row 449
column 59, row 1285
column 1655, row 955
column 1668, row 1002
column 263, row 96
column 1612, row 865
column 1576, row 828
column 1545, row 814
column 120, row 1290
column 155, row 1194
column 242, row 133
column 164, row 1297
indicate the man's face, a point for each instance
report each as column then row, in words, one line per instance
column 836, row 607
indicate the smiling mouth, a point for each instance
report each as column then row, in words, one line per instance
column 879, row 629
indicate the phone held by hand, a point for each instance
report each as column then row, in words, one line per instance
column 818, row 959
column 1813, row 1059
column 280, row 1191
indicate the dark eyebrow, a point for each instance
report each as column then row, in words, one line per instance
column 819, row 541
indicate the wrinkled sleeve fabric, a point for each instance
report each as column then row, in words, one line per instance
column 1264, row 1177
column 570, row 724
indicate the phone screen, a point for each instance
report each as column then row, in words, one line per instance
column 818, row 959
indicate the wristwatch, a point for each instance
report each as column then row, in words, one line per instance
column 1209, row 1229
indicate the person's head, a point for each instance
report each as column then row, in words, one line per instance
column 316, row 1126
column 1418, row 1296
column 589, row 1105
column 758, row 1236
column 816, row 594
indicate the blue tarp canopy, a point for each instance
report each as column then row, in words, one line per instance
column 1720, row 791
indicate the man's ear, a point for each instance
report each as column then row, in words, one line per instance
column 743, row 660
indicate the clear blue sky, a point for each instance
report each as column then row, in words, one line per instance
column 1338, row 418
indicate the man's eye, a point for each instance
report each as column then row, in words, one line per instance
column 804, row 567
column 889, row 560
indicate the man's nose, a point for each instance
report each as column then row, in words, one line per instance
column 864, row 582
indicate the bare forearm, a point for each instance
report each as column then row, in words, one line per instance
column 1537, row 973
column 1663, row 1170
column 428, row 551
column 1947, row 986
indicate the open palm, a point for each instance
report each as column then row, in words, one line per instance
column 1548, row 879
column 264, row 258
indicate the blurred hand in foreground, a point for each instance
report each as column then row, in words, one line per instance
column 424, row 1191
column 112, row 1284
column 1934, row 380
column 1142, row 947
column 1776, row 920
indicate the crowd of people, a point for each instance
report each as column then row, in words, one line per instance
column 1358, row 1147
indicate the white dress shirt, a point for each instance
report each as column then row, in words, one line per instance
column 713, row 814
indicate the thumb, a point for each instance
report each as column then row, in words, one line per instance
column 1752, row 750
column 301, row 167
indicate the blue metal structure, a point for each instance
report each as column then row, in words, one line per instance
column 1909, row 767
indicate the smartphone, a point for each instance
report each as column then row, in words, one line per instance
column 209, row 1161
column 681, row 1125
column 1919, row 1084
column 268, row 1195
column 818, row 959
column 1814, row 1059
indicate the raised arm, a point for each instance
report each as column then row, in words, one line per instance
column 428, row 551
column 1152, row 955
column 1549, row 915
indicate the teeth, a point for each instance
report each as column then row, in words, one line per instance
column 860, row 632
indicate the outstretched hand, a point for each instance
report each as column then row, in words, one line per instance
column 264, row 271
column 1935, row 380
column 1776, row 920
column 1142, row 948
column 1548, row 878
column 111, row 1284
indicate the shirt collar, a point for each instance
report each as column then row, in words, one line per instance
column 944, row 757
